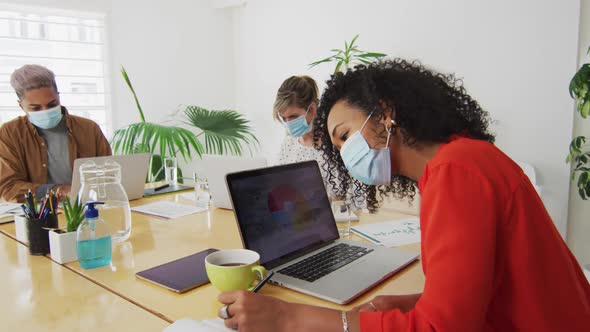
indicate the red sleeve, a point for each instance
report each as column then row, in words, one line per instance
column 458, row 216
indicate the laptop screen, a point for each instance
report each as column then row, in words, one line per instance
column 282, row 210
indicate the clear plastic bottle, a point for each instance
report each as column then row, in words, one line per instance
column 93, row 240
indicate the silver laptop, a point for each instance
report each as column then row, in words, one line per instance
column 284, row 214
column 216, row 167
column 134, row 169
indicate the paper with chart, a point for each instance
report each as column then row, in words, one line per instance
column 391, row 233
column 169, row 210
column 191, row 325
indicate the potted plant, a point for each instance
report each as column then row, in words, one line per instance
column 62, row 243
column 579, row 151
column 349, row 56
column 579, row 154
column 222, row 132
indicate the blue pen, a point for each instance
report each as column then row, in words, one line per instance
column 31, row 204
column 25, row 210
column 45, row 213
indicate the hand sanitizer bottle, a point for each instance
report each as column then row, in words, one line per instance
column 93, row 240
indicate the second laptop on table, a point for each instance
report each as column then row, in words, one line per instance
column 134, row 169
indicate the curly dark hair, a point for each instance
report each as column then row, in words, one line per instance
column 429, row 108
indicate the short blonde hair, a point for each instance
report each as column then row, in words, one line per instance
column 299, row 91
column 30, row 77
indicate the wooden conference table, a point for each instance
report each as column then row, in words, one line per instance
column 154, row 241
column 41, row 295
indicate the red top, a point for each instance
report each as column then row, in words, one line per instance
column 492, row 258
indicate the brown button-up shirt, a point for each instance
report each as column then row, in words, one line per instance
column 23, row 152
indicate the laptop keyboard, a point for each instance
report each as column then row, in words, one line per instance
column 327, row 261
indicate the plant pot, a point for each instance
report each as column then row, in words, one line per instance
column 20, row 226
column 63, row 246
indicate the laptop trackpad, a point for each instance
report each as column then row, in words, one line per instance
column 349, row 281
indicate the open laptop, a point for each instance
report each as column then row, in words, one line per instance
column 216, row 167
column 134, row 169
column 284, row 214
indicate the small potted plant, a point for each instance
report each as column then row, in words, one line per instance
column 62, row 242
column 348, row 57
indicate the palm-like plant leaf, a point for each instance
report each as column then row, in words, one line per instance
column 147, row 136
column 224, row 131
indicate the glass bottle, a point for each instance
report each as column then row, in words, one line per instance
column 103, row 183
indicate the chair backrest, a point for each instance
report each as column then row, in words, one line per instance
column 529, row 170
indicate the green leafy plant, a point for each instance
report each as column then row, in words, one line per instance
column 74, row 214
column 349, row 56
column 579, row 154
column 222, row 132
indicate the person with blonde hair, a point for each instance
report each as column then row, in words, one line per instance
column 37, row 150
column 295, row 107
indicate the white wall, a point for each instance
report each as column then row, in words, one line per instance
column 578, row 235
column 175, row 52
column 516, row 58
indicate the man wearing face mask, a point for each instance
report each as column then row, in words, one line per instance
column 37, row 150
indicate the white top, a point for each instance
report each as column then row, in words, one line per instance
column 292, row 152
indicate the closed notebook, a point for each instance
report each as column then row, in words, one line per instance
column 191, row 325
column 8, row 217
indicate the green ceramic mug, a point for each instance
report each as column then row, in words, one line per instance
column 233, row 269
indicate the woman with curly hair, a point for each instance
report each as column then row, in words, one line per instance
column 492, row 257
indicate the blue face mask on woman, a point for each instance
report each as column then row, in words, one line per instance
column 369, row 166
column 46, row 119
column 298, row 126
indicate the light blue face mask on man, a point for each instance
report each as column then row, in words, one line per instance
column 46, row 119
column 369, row 166
column 298, row 126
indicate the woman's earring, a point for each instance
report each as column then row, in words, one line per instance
column 393, row 127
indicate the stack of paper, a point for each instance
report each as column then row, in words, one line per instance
column 169, row 210
column 8, row 210
column 391, row 233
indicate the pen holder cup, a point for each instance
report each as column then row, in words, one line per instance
column 38, row 234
